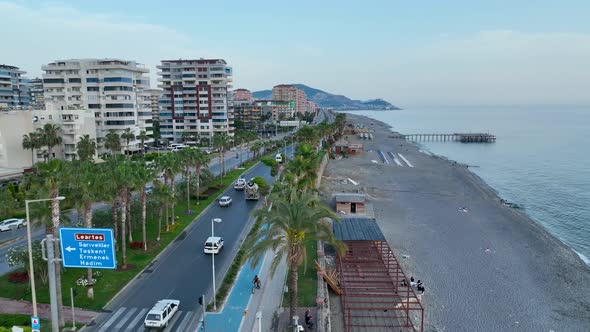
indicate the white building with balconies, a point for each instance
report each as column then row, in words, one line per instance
column 114, row 90
column 195, row 98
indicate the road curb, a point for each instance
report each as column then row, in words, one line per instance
column 11, row 241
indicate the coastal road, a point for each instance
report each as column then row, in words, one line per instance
column 183, row 271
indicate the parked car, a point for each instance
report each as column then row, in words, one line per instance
column 161, row 314
column 225, row 201
column 213, row 245
column 11, row 223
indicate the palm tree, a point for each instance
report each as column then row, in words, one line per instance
column 50, row 176
column 127, row 135
column 50, row 136
column 31, row 142
column 200, row 161
column 255, row 148
column 125, row 178
column 303, row 171
column 162, row 196
column 221, row 142
column 170, row 165
column 307, row 134
column 86, row 148
column 142, row 138
column 290, row 223
column 143, row 175
column 112, row 141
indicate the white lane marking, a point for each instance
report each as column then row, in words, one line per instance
column 406, row 160
column 125, row 318
column 140, row 315
column 108, row 323
column 184, row 322
column 395, row 159
column 172, row 321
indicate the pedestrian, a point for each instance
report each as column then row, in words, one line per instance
column 412, row 282
column 420, row 287
column 308, row 319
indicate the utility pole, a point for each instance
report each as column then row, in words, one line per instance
column 50, row 258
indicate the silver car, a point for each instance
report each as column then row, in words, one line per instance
column 225, row 201
column 12, row 223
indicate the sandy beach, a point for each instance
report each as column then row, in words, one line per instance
column 488, row 267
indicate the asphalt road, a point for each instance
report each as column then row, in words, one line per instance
column 183, row 271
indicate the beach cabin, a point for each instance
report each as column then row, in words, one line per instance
column 350, row 203
column 348, row 148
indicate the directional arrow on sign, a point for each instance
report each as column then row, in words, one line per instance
column 70, row 249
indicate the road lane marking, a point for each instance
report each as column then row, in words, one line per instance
column 135, row 320
column 173, row 321
column 184, row 322
column 108, row 323
column 123, row 320
column 406, row 160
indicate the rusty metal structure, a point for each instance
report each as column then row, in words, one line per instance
column 376, row 295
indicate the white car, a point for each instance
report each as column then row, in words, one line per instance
column 161, row 314
column 213, row 245
column 225, row 201
column 12, row 223
column 240, row 184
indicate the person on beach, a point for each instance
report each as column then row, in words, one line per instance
column 420, row 287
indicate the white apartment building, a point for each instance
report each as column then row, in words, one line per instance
column 155, row 95
column 14, row 88
column 195, row 98
column 113, row 89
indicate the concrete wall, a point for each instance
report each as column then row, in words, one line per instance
column 13, row 125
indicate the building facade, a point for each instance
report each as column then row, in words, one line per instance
column 113, row 90
column 37, row 94
column 155, row 96
column 291, row 94
column 279, row 109
column 248, row 114
column 242, row 95
column 14, row 88
column 195, row 98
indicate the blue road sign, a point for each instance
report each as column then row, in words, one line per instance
column 35, row 323
column 87, row 248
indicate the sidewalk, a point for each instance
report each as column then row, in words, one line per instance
column 8, row 306
column 267, row 300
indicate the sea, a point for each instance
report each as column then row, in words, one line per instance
column 540, row 160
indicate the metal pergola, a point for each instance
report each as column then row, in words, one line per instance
column 374, row 295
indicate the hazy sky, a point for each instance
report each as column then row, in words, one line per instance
column 410, row 53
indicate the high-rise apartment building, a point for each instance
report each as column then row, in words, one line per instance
column 113, row 89
column 291, row 94
column 195, row 98
column 14, row 88
column 242, row 95
column 155, row 95
column 37, row 98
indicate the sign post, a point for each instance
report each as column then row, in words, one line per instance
column 88, row 248
column 35, row 324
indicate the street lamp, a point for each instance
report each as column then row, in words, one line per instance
column 213, row 221
column 30, row 245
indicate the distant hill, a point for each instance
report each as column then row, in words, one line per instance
column 326, row 99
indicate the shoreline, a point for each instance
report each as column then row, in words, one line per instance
column 493, row 268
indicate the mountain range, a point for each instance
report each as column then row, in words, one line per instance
column 326, row 99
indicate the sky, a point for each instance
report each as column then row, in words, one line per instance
column 410, row 53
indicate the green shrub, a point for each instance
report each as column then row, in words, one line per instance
column 268, row 161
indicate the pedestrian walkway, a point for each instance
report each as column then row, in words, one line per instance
column 8, row 306
column 131, row 319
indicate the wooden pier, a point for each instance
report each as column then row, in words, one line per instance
column 456, row 137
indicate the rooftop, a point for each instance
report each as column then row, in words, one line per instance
column 350, row 198
column 358, row 229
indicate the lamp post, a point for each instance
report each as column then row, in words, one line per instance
column 30, row 246
column 213, row 221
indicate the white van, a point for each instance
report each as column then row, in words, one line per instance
column 279, row 158
column 213, row 245
column 161, row 314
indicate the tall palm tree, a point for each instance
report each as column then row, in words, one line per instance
column 50, row 176
column 255, row 148
column 307, row 134
column 291, row 222
column 50, row 135
column 127, row 135
column 192, row 158
column 162, row 196
column 221, row 142
column 31, row 142
column 200, row 161
column 170, row 165
column 125, row 177
column 112, row 141
column 142, row 138
column 143, row 175
column 86, row 148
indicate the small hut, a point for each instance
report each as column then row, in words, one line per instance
column 350, row 203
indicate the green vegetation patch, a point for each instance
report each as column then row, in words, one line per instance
column 307, row 282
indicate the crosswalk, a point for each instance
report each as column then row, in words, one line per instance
column 131, row 319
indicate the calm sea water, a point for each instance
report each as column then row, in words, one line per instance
column 541, row 158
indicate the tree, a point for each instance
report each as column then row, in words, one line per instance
column 112, row 141
column 50, row 136
column 192, row 158
column 18, row 256
column 221, row 142
column 125, row 178
column 50, row 176
column 170, row 165
column 31, row 142
column 86, row 148
column 162, row 196
column 307, row 134
column 255, row 148
column 142, row 138
column 143, row 175
column 127, row 135
column 293, row 220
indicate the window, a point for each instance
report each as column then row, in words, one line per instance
column 119, row 105
column 53, row 80
column 91, row 79
column 93, row 106
column 117, row 79
column 75, row 80
column 118, row 88
column 92, row 89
